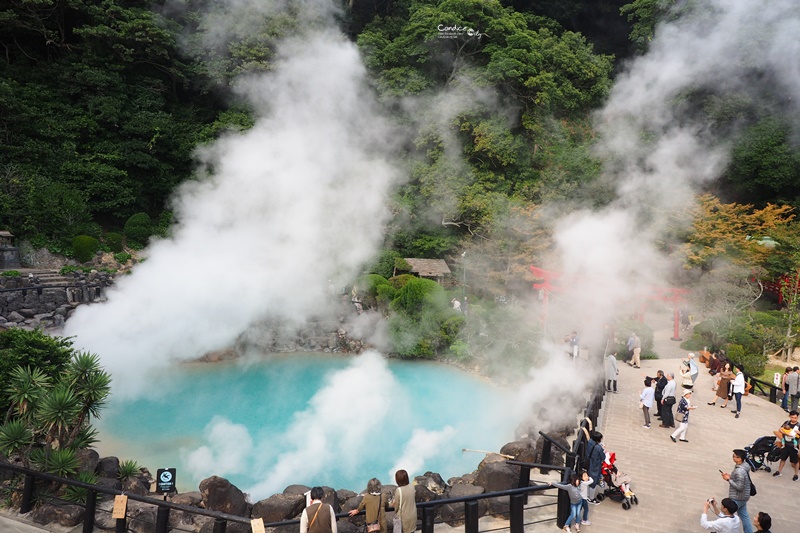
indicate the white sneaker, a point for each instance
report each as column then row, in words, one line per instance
column 585, row 523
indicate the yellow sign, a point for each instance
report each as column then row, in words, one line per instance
column 120, row 505
column 257, row 524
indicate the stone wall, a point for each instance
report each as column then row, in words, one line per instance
column 27, row 302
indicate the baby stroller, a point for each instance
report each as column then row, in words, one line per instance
column 762, row 451
column 614, row 483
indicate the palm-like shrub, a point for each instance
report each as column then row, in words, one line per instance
column 57, row 412
column 85, row 437
column 78, row 494
column 128, row 469
column 15, row 436
column 91, row 384
column 49, row 402
column 62, row 463
column 24, row 390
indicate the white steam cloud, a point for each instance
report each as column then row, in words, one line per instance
column 658, row 152
column 424, row 444
column 291, row 203
column 229, row 447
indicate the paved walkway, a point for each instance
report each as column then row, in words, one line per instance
column 672, row 481
column 11, row 522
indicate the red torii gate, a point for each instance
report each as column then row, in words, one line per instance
column 546, row 287
column 664, row 294
column 668, row 294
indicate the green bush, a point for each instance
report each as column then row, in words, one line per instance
column 11, row 273
column 694, row 343
column 122, row 257
column 85, row 247
column 69, row 269
column 753, row 363
column 114, row 241
column 19, row 347
column 384, row 265
column 138, row 228
column 398, row 282
column 386, row 294
column 422, row 322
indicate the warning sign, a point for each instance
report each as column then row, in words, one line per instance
column 165, row 480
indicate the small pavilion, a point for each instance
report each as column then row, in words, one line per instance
column 435, row 269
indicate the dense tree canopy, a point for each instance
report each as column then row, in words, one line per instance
column 102, row 104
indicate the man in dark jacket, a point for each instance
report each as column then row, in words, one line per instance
column 595, row 455
column 661, row 382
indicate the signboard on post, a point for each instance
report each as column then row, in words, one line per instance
column 165, row 480
column 120, row 506
column 778, row 379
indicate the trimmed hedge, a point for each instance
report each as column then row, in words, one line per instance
column 138, row 228
column 114, row 241
column 85, row 247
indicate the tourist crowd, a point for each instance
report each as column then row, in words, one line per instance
column 664, row 393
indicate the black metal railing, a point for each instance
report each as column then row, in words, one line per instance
column 427, row 510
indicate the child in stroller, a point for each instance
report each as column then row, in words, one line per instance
column 617, row 484
column 762, row 451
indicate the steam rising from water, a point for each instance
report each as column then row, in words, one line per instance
column 291, row 203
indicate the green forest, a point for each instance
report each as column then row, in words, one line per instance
column 102, row 104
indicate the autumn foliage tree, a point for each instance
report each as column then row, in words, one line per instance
column 732, row 231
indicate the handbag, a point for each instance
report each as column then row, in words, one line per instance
column 669, row 400
column 397, row 523
column 641, row 405
column 375, row 526
column 753, row 491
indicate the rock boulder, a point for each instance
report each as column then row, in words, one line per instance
column 220, row 495
column 279, row 507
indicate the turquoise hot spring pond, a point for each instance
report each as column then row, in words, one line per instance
column 311, row 419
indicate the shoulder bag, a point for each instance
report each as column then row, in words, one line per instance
column 375, row 526
column 753, row 491
column 315, row 516
column 397, row 524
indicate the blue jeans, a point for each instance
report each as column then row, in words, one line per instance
column 574, row 513
column 738, row 401
column 585, row 509
column 785, row 400
column 744, row 516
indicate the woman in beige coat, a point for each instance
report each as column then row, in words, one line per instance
column 405, row 505
column 375, row 504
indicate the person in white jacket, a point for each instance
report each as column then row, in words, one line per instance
column 728, row 521
column 738, row 389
